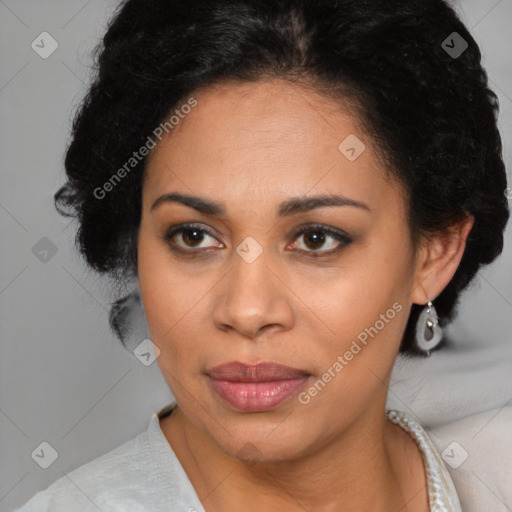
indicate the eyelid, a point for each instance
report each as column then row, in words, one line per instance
column 170, row 233
column 340, row 235
column 335, row 232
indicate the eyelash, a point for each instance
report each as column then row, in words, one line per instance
column 339, row 236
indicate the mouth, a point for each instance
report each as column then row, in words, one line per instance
column 256, row 388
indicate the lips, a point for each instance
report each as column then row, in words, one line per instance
column 254, row 388
column 262, row 372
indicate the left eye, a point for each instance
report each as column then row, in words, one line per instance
column 316, row 236
column 192, row 236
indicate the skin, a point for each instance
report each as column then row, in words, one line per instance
column 252, row 146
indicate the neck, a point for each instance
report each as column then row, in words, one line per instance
column 357, row 470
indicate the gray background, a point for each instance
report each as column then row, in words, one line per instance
column 65, row 378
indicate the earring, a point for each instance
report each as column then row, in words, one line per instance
column 428, row 331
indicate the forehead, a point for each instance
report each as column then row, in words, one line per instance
column 263, row 141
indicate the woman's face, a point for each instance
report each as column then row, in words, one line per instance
column 242, row 285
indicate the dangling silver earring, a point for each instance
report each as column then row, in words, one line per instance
column 428, row 331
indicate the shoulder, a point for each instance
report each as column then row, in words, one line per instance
column 477, row 451
column 112, row 482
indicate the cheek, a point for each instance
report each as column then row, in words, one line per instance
column 172, row 302
column 364, row 305
column 354, row 363
column 367, row 284
column 162, row 294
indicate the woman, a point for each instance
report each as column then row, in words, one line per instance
column 302, row 189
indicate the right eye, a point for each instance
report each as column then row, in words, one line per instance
column 191, row 236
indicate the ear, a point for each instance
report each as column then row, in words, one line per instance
column 438, row 259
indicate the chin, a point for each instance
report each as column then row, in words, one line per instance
column 254, row 448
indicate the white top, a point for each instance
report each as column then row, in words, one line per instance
column 144, row 474
column 442, row 496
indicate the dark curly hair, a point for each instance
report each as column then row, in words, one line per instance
column 425, row 105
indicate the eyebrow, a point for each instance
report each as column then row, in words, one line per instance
column 287, row 208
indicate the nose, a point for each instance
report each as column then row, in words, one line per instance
column 254, row 298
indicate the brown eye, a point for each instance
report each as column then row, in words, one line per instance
column 190, row 236
column 315, row 237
